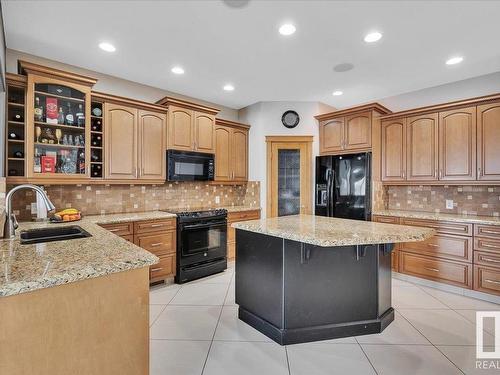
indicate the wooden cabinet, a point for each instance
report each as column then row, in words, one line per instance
column 233, row 217
column 231, row 151
column 331, row 135
column 422, row 147
column 151, row 145
column 191, row 127
column 348, row 130
column 134, row 142
column 444, row 246
column 488, row 141
column 457, row 144
column 393, row 150
column 120, row 137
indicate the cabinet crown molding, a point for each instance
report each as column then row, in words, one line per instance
column 352, row 110
column 16, row 79
column 26, row 67
column 100, row 96
column 443, row 106
column 234, row 124
column 168, row 100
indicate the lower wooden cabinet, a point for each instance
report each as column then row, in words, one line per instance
column 155, row 236
column 450, row 272
column 443, row 246
column 233, row 217
column 487, row 279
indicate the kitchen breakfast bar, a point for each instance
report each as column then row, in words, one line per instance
column 307, row 278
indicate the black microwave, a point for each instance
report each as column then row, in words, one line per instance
column 190, row 166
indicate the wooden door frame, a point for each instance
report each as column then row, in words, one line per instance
column 305, row 187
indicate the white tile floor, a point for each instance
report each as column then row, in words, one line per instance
column 195, row 330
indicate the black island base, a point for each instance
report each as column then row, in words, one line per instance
column 295, row 292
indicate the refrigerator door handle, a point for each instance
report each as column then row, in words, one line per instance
column 329, row 189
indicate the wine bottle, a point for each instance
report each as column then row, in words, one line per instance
column 18, row 154
column 80, row 116
column 13, row 135
column 38, row 110
column 70, row 119
column 37, row 162
column 60, row 116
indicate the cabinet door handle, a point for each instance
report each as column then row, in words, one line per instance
column 440, row 173
column 156, row 269
column 156, row 225
column 492, row 246
column 404, row 173
column 490, row 260
column 431, row 269
column 492, row 281
column 432, row 245
column 114, row 230
column 490, row 232
column 157, row 244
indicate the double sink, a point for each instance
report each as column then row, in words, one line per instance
column 70, row 232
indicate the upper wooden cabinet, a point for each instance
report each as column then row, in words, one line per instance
column 134, row 142
column 393, row 149
column 457, row 144
column 488, row 141
column 449, row 143
column 348, row 130
column 191, row 127
column 231, row 151
column 422, row 147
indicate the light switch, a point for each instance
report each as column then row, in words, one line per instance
column 449, row 204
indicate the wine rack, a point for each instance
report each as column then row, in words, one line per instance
column 16, row 128
column 96, row 140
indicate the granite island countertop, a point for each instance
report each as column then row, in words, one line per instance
column 440, row 216
column 329, row 232
column 25, row 268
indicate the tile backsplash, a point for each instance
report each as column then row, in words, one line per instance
column 106, row 199
column 471, row 200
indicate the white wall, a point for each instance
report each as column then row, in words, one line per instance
column 467, row 88
column 265, row 119
column 113, row 85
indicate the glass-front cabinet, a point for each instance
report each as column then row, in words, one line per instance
column 57, row 125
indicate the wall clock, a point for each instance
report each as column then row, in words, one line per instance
column 290, row 119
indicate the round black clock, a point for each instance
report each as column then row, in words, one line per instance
column 290, row 119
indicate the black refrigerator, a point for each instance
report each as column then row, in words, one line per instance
column 343, row 186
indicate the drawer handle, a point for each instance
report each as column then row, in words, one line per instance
column 490, row 260
column 490, row 232
column 115, row 230
column 493, row 246
column 156, row 225
column 432, row 245
column 157, row 244
column 492, row 281
column 431, row 269
column 156, row 269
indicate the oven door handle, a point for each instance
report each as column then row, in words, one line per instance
column 206, row 225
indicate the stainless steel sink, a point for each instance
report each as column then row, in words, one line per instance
column 53, row 234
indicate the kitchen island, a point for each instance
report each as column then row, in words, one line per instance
column 77, row 306
column 306, row 278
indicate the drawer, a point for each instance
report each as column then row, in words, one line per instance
column 159, row 244
column 243, row 215
column 120, row 229
column 165, row 268
column 487, row 259
column 491, row 231
column 487, row 280
column 443, row 246
column 447, row 227
column 445, row 271
column 231, row 250
column 128, row 237
column 385, row 219
column 154, row 225
column 486, row 244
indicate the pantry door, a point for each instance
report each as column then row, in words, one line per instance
column 288, row 175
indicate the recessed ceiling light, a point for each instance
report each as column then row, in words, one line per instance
column 228, row 87
column 343, row 67
column 337, row 93
column 108, row 47
column 177, row 70
column 287, row 29
column 454, row 60
column 373, row 37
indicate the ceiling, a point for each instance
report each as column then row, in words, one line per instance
column 237, row 42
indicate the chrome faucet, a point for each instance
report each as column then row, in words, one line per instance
column 11, row 225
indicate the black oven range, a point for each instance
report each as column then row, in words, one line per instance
column 201, row 244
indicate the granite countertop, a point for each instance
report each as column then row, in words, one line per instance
column 25, row 268
column 489, row 220
column 327, row 231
